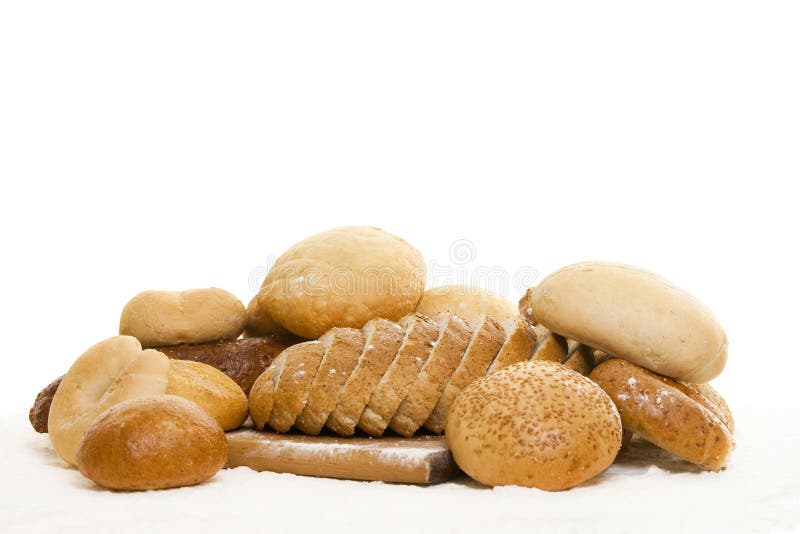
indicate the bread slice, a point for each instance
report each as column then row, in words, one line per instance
column 262, row 394
column 343, row 346
column 549, row 346
column 454, row 336
column 486, row 341
column 420, row 335
column 382, row 340
column 580, row 358
column 298, row 366
column 518, row 346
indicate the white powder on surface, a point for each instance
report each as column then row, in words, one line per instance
column 644, row 491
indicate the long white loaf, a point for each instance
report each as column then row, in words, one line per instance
column 635, row 315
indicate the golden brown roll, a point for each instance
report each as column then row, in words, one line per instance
column 165, row 318
column 343, row 277
column 667, row 413
column 535, row 424
column 209, row 388
column 154, row 442
column 468, row 302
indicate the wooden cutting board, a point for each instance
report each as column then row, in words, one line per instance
column 417, row 460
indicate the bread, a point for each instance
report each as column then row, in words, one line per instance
column 259, row 322
column 109, row 372
column 454, row 336
column 209, row 388
column 420, row 335
column 534, row 424
column 343, row 346
column 243, row 360
column 164, row 318
column 549, row 347
column 518, row 346
column 262, row 396
column 152, row 443
column 469, row 302
column 664, row 413
column 295, row 370
column 711, row 400
column 382, row 340
column 635, row 315
column 580, row 359
column 486, row 341
column 343, row 277
column 40, row 411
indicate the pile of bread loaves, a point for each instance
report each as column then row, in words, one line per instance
column 343, row 338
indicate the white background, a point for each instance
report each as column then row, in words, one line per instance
column 173, row 145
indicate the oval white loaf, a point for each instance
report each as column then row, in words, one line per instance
column 635, row 315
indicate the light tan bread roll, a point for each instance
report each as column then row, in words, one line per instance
column 454, row 336
column 259, row 322
column 343, row 277
column 382, row 340
column 469, row 302
column 209, row 388
column 343, row 346
column 534, row 424
column 665, row 413
column 549, row 347
column 109, row 372
column 295, row 370
column 153, row 442
column 518, row 346
column 262, row 395
column 165, row 318
column 420, row 335
column 486, row 341
column 635, row 315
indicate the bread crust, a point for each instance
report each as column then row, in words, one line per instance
column 550, row 347
column 153, row 442
column 209, row 388
column 109, row 372
column 298, row 365
column 454, row 336
column 484, row 345
column 534, row 424
column 518, row 346
column 420, row 335
column 343, row 277
column 262, row 396
column 166, row 318
column 580, row 358
column 663, row 412
column 635, row 315
column 382, row 340
column 343, row 346
column 259, row 322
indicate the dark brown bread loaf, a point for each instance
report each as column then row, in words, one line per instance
column 241, row 359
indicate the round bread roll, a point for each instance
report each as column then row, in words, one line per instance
column 166, row 318
column 534, row 424
column 635, row 315
column 468, row 302
column 690, row 422
column 109, row 372
column 343, row 277
column 209, row 388
column 259, row 322
column 154, row 442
